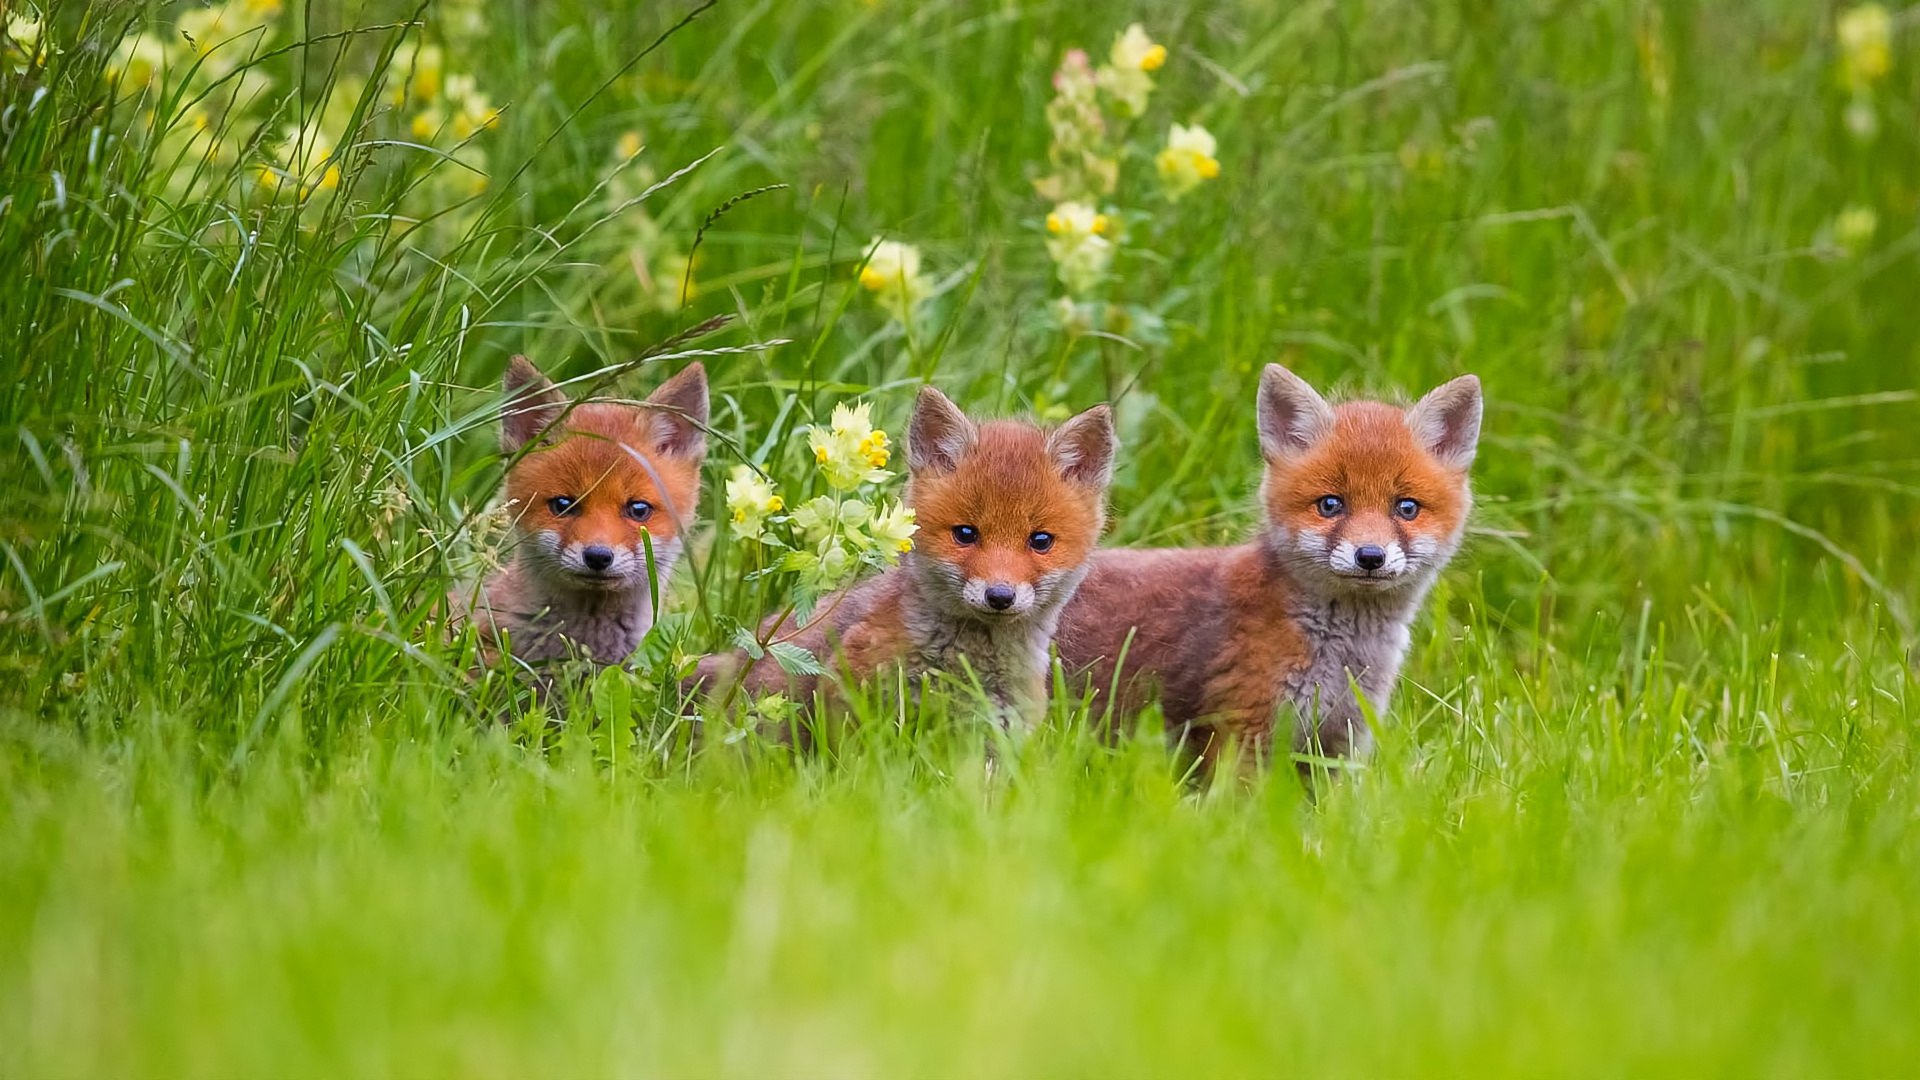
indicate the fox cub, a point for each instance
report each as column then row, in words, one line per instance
column 598, row 476
column 1008, row 515
column 1365, row 503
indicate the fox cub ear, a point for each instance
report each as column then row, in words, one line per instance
column 939, row 434
column 1292, row 417
column 1084, row 447
column 681, row 412
column 533, row 405
column 1447, row 421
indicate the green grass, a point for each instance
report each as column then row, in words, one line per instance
column 1648, row 800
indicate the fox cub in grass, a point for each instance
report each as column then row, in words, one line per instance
column 1365, row 503
column 597, row 477
column 1008, row 515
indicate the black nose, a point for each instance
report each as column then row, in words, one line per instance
column 597, row 557
column 999, row 597
column 1371, row 557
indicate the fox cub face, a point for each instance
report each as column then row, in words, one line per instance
column 1366, row 496
column 601, row 474
column 1008, row 513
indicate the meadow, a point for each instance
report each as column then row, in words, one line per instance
column 1647, row 801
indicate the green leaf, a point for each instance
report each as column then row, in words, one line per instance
column 795, row 660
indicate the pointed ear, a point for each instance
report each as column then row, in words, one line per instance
column 939, row 434
column 533, row 405
column 1084, row 447
column 1292, row 417
column 1447, row 421
column 681, row 418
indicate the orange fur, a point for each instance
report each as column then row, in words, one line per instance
column 630, row 474
column 1007, row 481
column 1234, row 641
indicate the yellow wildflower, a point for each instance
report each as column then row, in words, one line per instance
column 1866, row 44
column 222, row 35
column 306, row 163
column 629, row 146
column 892, row 274
column 22, row 44
column 893, row 528
column 1187, row 160
column 136, row 62
column 751, row 498
column 1081, row 252
column 472, row 111
column 849, row 451
column 1134, row 50
column 420, row 69
column 1127, row 74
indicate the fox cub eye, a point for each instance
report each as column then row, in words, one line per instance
column 1041, row 542
column 966, row 535
column 1331, row 506
column 562, row 505
column 639, row 509
column 1406, row 509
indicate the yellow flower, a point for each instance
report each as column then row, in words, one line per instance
column 420, row 69
column 889, row 262
column 137, row 61
column 1866, row 49
column 1133, row 50
column 873, row 449
column 893, row 528
column 750, row 498
column 892, row 274
column 629, row 145
column 22, row 44
column 849, row 451
column 472, row 110
column 222, row 35
column 1127, row 74
column 1187, row 160
column 306, row 163
column 1080, row 252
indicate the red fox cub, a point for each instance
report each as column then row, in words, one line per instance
column 1008, row 515
column 600, row 475
column 1365, row 503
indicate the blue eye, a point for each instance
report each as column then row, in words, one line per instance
column 1406, row 509
column 562, row 505
column 639, row 509
column 1331, row 506
column 1041, row 542
column 966, row 535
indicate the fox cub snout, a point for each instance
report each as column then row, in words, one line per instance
column 594, row 484
column 1009, row 515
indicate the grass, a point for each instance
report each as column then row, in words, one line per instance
column 1645, row 802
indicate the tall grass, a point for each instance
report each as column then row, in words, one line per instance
column 1646, row 798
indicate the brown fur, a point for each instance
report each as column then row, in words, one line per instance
column 1233, row 641
column 604, row 456
column 1008, row 480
